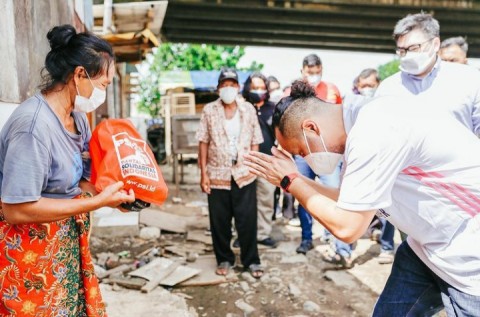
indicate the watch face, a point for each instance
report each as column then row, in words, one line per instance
column 285, row 181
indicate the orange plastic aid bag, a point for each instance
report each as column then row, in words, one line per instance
column 118, row 153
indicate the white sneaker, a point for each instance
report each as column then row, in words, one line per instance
column 386, row 257
column 294, row 222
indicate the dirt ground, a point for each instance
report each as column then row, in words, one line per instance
column 293, row 285
column 274, row 296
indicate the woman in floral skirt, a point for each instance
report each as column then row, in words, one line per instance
column 45, row 262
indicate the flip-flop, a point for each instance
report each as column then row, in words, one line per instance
column 256, row 270
column 224, row 268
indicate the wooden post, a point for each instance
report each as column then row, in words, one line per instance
column 107, row 16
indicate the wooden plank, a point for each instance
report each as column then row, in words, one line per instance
column 198, row 235
column 181, row 274
column 131, row 283
column 152, row 284
column 163, row 220
column 183, row 249
column 164, row 271
column 119, row 269
column 151, row 270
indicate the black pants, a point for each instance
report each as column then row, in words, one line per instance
column 241, row 204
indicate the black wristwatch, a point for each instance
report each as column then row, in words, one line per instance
column 287, row 181
column 137, row 205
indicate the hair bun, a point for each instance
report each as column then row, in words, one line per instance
column 60, row 36
column 301, row 89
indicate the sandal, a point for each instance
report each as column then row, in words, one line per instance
column 255, row 270
column 338, row 259
column 224, row 268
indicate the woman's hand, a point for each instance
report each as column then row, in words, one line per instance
column 271, row 167
column 114, row 195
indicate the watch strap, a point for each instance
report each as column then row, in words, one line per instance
column 291, row 177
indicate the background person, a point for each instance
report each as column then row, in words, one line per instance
column 228, row 129
column 255, row 91
column 274, row 90
column 42, row 167
column 312, row 71
column 366, row 82
column 276, row 93
column 454, row 49
column 364, row 87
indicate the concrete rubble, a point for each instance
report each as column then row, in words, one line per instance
column 150, row 262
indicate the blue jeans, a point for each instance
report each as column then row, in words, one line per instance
column 388, row 231
column 332, row 180
column 412, row 290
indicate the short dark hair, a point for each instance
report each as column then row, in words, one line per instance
column 69, row 50
column 272, row 79
column 248, row 83
column 365, row 74
column 302, row 95
column 312, row 60
column 280, row 108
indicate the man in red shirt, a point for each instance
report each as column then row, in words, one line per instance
column 312, row 72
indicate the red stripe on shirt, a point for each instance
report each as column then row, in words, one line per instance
column 459, row 195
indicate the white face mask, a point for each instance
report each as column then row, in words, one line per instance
column 84, row 104
column 321, row 163
column 276, row 95
column 367, row 92
column 416, row 63
column 314, row 79
column 228, row 94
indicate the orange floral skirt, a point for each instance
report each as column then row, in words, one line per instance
column 47, row 270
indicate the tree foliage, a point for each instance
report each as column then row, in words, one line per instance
column 198, row 56
column 388, row 69
column 185, row 57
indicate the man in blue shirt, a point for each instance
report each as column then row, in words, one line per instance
column 441, row 86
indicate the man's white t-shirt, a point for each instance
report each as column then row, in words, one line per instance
column 422, row 171
column 450, row 87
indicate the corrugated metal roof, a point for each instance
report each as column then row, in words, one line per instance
column 357, row 25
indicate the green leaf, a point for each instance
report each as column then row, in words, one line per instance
column 388, row 69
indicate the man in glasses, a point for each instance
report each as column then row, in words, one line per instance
column 450, row 87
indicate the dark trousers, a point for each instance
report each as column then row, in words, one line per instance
column 413, row 290
column 241, row 204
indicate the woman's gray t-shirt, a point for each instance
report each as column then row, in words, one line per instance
column 39, row 157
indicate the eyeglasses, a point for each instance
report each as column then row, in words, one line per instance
column 402, row 51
